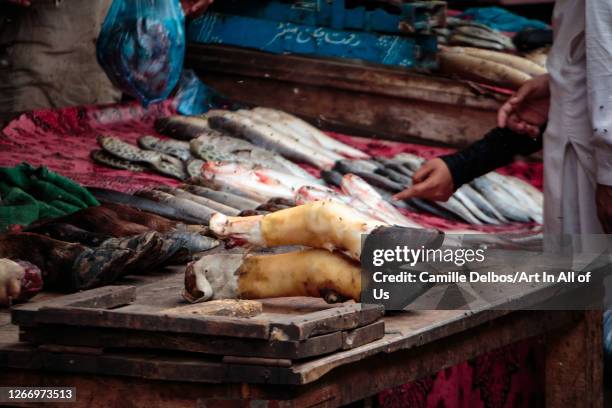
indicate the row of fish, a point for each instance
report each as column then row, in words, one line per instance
column 473, row 34
column 257, row 138
column 241, row 160
column 491, row 199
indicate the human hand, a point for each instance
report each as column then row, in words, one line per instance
column 603, row 199
column 432, row 181
column 527, row 110
column 11, row 274
column 194, row 8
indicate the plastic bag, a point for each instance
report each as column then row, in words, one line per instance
column 141, row 47
column 193, row 97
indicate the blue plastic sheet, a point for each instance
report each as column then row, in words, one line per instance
column 193, row 97
column 502, row 20
column 141, row 47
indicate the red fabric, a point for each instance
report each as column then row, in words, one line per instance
column 62, row 140
column 509, row 377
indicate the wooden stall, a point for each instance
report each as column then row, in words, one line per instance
column 137, row 344
column 356, row 97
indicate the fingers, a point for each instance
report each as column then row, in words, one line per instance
column 422, row 190
column 423, row 172
column 504, row 112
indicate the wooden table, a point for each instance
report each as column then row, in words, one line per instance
column 415, row 344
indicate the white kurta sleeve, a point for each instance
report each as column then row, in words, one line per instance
column 598, row 33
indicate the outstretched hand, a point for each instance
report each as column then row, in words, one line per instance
column 432, row 181
column 527, row 110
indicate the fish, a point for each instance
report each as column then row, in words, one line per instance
column 535, row 194
column 306, row 130
column 193, row 242
column 332, row 177
column 184, row 127
column 458, row 208
column 263, row 136
column 481, row 70
column 279, row 126
column 395, row 176
column 520, row 195
column 345, row 167
column 460, row 39
column 261, row 184
column 229, row 199
column 358, row 188
column 194, row 167
column 231, row 149
column 116, row 197
column 178, row 149
column 165, row 164
column 485, row 34
column 500, row 199
column 463, row 198
column 212, row 204
column 102, row 157
column 514, row 61
column 413, row 161
column 198, row 211
column 482, row 203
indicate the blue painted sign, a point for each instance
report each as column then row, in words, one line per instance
column 287, row 37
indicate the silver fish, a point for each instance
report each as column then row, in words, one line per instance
column 198, row 211
column 183, row 127
column 226, row 198
column 231, row 149
column 521, row 197
column 264, row 136
column 102, row 157
column 482, row 203
column 306, row 131
column 212, row 204
column 473, row 208
column 280, row 127
column 500, row 199
column 174, row 148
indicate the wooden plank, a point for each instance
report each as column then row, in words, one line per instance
column 574, row 364
column 352, row 379
column 361, row 113
column 353, row 97
column 103, row 298
column 257, row 361
column 222, row 307
column 339, row 74
column 325, row 321
column 363, row 335
column 149, row 318
column 129, row 339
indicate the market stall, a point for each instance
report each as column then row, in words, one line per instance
column 206, row 249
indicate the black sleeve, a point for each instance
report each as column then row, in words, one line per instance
column 496, row 149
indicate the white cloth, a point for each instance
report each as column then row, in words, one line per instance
column 571, row 170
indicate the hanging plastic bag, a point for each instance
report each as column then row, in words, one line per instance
column 141, row 47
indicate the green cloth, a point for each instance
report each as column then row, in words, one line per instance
column 28, row 194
